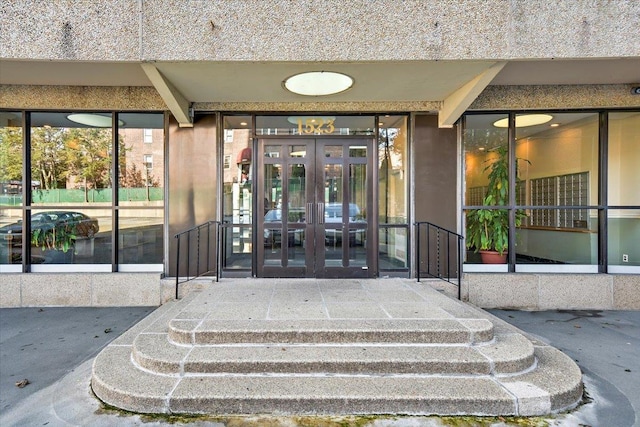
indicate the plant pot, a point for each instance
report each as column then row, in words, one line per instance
column 493, row 257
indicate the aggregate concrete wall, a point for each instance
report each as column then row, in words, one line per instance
column 553, row 291
column 317, row 30
column 80, row 289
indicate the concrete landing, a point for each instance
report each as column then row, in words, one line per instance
column 334, row 347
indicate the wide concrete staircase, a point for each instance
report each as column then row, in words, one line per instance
column 213, row 352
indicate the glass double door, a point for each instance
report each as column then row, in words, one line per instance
column 315, row 208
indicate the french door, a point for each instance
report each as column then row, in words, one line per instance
column 315, row 208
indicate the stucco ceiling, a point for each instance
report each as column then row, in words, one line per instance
column 379, row 81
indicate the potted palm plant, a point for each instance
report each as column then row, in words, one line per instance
column 488, row 229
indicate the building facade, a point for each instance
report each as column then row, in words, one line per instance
column 513, row 124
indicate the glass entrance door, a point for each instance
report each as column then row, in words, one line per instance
column 313, row 204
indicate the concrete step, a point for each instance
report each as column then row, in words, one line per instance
column 407, row 331
column 554, row 385
column 506, row 354
column 453, row 359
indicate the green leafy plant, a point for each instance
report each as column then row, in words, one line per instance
column 488, row 229
column 60, row 237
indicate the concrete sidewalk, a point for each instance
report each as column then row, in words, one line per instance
column 54, row 348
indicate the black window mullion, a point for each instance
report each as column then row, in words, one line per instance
column 603, row 196
column 511, row 253
column 26, row 192
column 115, row 149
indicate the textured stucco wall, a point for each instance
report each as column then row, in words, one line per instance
column 317, row 30
column 81, row 97
column 555, row 97
column 147, row 98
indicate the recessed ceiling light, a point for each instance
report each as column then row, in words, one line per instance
column 96, row 120
column 318, row 83
column 296, row 120
column 243, row 123
column 555, row 125
column 524, row 120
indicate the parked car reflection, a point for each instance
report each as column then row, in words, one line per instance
column 273, row 235
column 52, row 223
column 333, row 216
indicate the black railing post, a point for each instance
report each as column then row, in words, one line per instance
column 440, row 263
column 428, row 242
column 208, row 246
column 188, row 255
column 177, row 265
column 199, row 252
column 417, row 224
column 459, row 267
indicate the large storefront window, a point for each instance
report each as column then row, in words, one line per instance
column 623, row 191
column 69, row 207
column 11, row 154
column 553, row 164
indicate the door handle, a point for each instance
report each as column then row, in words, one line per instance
column 320, row 213
column 309, row 213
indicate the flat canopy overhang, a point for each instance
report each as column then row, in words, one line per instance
column 449, row 85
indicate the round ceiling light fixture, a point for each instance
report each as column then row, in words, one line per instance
column 95, row 120
column 524, row 120
column 318, row 83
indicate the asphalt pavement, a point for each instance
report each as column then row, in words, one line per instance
column 53, row 348
column 606, row 346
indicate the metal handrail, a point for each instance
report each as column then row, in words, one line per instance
column 439, row 266
column 197, row 232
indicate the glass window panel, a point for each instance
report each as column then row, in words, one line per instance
column 357, row 151
column 315, row 125
column 273, row 188
column 140, row 236
column 298, row 151
column 237, row 203
column 297, row 192
column 296, row 249
column 358, row 193
column 141, row 162
column 559, row 246
column 141, row 177
column 333, row 248
column 70, row 160
column 485, row 155
column 333, row 189
column 11, row 144
column 558, row 160
column 624, row 237
column 272, row 151
column 357, row 247
column 273, row 246
column 393, row 248
column 63, row 236
column 392, row 167
column 237, row 253
column 333, row 151
column 624, row 159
